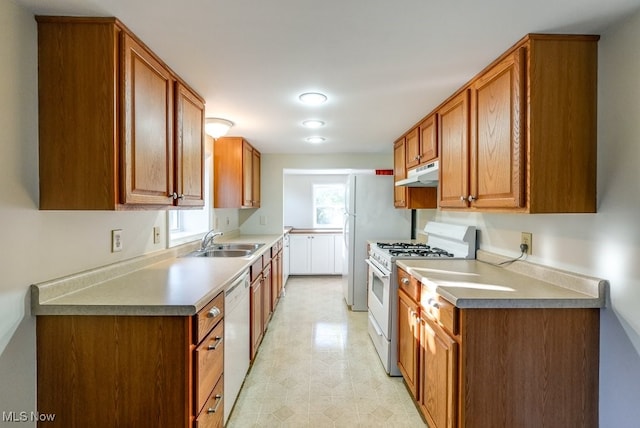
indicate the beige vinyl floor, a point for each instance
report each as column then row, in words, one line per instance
column 317, row 367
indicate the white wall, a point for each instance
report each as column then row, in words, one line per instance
column 40, row 245
column 606, row 244
column 272, row 167
column 298, row 197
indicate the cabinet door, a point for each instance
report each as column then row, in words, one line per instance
column 428, row 139
column 399, row 173
column 255, row 178
column 438, row 375
column 322, row 254
column 189, row 148
column 276, row 279
column 412, row 148
column 147, row 143
column 281, row 273
column 497, row 128
column 256, row 315
column 299, row 254
column 266, row 295
column 408, row 341
column 247, row 175
column 453, row 126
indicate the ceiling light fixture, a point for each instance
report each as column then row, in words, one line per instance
column 216, row 127
column 313, row 98
column 313, row 123
column 315, row 140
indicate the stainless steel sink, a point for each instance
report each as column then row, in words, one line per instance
column 227, row 250
column 235, row 246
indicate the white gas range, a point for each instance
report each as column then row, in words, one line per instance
column 443, row 241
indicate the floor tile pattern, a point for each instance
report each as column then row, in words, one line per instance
column 317, row 367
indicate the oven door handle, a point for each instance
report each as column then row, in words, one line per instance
column 376, row 269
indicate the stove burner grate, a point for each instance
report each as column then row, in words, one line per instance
column 403, row 246
column 412, row 252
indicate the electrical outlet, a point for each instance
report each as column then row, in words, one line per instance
column 263, row 220
column 527, row 239
column 116, row 240
column 156, row 235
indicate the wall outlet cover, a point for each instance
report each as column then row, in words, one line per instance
column 116, row 240
column 156, row 234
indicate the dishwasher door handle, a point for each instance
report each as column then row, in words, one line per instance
column 244, row 278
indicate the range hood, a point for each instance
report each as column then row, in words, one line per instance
column 422, row 176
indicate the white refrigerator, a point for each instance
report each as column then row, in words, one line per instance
column 369, row 215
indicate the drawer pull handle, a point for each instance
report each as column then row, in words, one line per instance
column 215, row 345
column 214, row 312
column 215, row 409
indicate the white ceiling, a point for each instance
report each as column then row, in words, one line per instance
column 384, row 64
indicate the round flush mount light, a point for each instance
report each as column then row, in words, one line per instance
column 313, row 123
column 217, row 127
column 315, row 140
column 313, row 98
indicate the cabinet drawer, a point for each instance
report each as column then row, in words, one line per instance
column 208, row 362
column 409, row 285
column 209, row 316
column 256, row 269
column 440, row 310
column 212, row 414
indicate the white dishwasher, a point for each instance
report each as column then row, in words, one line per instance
column 236, row 339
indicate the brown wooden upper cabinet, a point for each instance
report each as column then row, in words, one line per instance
column 405, row 197
column 532, row 131
column 117, row 128
column 422, row 143
column 399, row 173
column 454, row 151
column 521, row 136
column 236, row 169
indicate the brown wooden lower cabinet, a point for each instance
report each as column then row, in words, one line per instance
column 257, row 317
column 408, row 341
column 211, row 415
column 500, row 367
column 266, row 285
column 128, row 371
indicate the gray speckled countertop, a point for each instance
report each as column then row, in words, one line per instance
column 163, row 284
column 481, row 284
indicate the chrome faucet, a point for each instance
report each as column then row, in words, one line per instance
column 208, row 238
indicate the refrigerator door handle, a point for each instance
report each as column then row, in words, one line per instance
column 344, row 230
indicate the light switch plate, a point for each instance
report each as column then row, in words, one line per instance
column 156, row 235
column 116, row 240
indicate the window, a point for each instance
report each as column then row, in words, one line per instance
column 328, row 205
column 189, row 225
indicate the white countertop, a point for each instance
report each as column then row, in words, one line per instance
column 478, row 284
column 171, row 286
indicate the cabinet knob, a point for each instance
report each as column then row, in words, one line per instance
column 214, row 312
column 405, row 281
column 462, row 198
column 433, row 303
column 215, row 409
column 472, row 198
